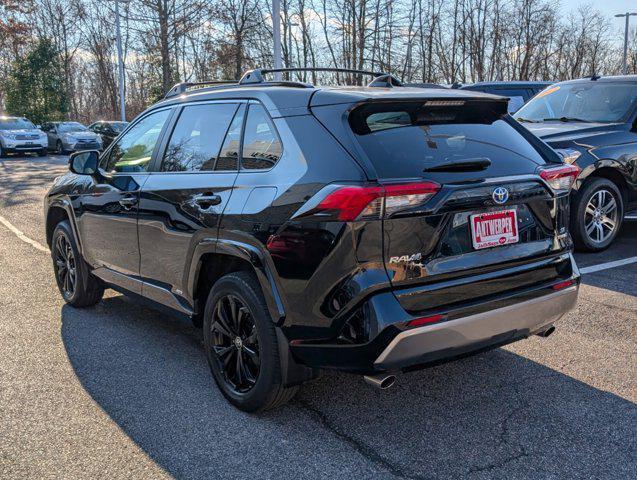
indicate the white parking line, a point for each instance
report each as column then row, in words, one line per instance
column 18, row 233
column 607, row 265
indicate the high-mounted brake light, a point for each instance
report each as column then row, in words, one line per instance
column 562, row 177
column 374, row 201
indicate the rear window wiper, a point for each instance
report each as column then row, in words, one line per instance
column 469, row 165
column 566, row 119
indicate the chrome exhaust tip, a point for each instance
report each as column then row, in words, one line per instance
column 546, row 332
column 382, row 381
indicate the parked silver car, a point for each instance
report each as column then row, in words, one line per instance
column 19, row 135
column 70, row 137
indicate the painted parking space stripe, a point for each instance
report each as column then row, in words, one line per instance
column 607, row 265
column 18, row 233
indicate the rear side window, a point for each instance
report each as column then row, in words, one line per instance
column 261, row 145
column 402, row 140
column 196, row 139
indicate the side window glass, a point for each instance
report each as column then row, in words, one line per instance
column 229, row 156
column 261, row 145
column 197, row 136
column 133, row 151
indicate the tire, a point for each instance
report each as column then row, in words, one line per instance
column 2, row 152
column 264, row 390
column 42, row 153
column 588, row 217
column 59, row 148
column 83, row 288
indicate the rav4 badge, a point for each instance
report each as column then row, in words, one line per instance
column 406, row 258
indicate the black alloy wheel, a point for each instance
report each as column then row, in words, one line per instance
column 241, row 344
column 59, row 148
column 65, row 266
column 78, row 286
column 235, row 343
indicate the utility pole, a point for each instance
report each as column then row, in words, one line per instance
column 276, row 33
column 627, row 15
column 290, row 25
column 120, row 63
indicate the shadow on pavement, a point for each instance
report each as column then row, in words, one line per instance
column 34, row 173
column 496, row 415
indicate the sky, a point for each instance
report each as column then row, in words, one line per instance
column 609, row 7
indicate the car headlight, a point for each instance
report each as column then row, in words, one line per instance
column 9, row 136
column 71, row 139
column 569, row 155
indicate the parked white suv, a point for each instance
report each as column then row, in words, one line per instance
column 19, row 135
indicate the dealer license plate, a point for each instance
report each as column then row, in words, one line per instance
column 494, row 229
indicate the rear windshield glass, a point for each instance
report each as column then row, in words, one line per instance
column 402, row 142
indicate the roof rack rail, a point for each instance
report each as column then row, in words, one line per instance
column 180, row 88
column 380, row 79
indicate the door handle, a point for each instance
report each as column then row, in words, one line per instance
column 128, row 201
column 207, row 201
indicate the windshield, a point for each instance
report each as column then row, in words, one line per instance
column 584, row 102
column 119, row 126
column 71, row 127
column 15, row 124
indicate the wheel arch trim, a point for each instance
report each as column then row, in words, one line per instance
column 65, row 204
column 245, row 252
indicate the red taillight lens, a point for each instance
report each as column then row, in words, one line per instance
column 424, row 320
column 561, row 178
column 354, row 202
column 350, row 202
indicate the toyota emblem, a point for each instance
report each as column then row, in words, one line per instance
column 500, row 195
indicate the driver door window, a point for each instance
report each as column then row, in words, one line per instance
column 133, row 151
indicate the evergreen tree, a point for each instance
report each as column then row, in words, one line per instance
column 35, row 86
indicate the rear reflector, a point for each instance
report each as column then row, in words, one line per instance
column 563, row 285
column 424, row 320
column 561, row 178
column 373, row 201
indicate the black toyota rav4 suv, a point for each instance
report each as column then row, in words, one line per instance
column 373, row 230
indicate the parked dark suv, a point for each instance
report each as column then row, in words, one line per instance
column 518, row 92
column 592, row 122
column 372, row 229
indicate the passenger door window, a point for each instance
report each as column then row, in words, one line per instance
column 229, row 156
column 196, row 139
column 134, row 150
column 261, row 145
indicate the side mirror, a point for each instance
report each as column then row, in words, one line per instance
column 84, row 163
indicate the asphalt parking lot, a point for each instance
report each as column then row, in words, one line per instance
column 122, row 391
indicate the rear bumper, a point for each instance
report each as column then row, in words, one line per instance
column 432, row 343
column 466, row 328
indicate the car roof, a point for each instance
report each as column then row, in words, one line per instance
column 284, row 100
column 513, row 83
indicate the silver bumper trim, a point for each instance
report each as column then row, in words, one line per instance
column 531, row 315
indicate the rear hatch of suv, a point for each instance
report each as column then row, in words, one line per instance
column 473, row 209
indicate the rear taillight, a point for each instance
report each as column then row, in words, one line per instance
column 375, row 201
column 560, row 178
